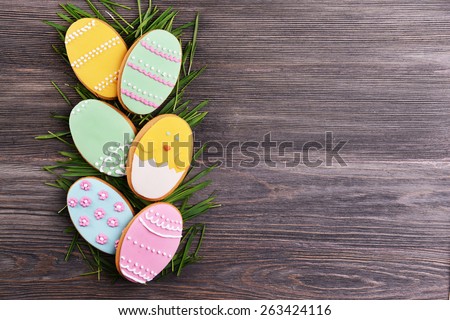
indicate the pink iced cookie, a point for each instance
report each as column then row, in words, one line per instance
column 149, row 242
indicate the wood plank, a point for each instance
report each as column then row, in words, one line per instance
column 374, row 73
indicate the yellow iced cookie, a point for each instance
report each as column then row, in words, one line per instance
column 160, row 157
column 95, row 52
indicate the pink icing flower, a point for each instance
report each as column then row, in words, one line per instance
column 85, row 202
column 101, row 239
column 119, row 206
column 72, row 202
column 99, row 213
column 83, row 221
column 116, row 244
column 85, row 185
column 113, row 222
column 102, row 195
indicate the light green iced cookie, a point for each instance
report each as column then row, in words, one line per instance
column 149, row 72
column 102, row 135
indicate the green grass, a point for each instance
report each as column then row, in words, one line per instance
column 72, row 165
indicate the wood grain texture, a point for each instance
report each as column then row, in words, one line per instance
column 375, row 73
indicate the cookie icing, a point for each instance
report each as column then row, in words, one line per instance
column 160, row 157
column 149, row 243
column 95, row 51
column 98, row 221
column 149, row 72
column 102, row 134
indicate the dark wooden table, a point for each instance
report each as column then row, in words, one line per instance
column 374, row 73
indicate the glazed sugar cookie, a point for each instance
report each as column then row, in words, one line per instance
column 149, row 72
column 160, row 157
column 99, row 212
column 149, row 242
column 102, row 134
column 95, row 52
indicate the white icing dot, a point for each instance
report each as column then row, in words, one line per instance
column 134, row 87
column 134, row 58
column 134, row 242
column 148, row 248
column 122, row 258
column 141, row 245
column 159, row 46
column 129, row 261
column 145, row 92
column 147, row 65
column 153, row 68
column 153, row 250
column 159, row 251
column 136, row 264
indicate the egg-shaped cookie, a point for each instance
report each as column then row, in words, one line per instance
column 96, row 51
column 160, row 157
column 99, row 212
column 150, row 71
column 149, row 243
column 102, row 135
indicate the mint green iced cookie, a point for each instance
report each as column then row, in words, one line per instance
column 149, row 72
column 102, row 134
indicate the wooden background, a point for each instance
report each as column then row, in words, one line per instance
column 375, row 73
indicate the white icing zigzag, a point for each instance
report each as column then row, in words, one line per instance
column 138, row 273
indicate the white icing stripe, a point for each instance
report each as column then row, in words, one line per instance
column 78, row 33
column 149, row 249
column 162, row 224
column 142, row 92
column 160, row 47
column 110, row 80
column 157, row 233
column 95, row 52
